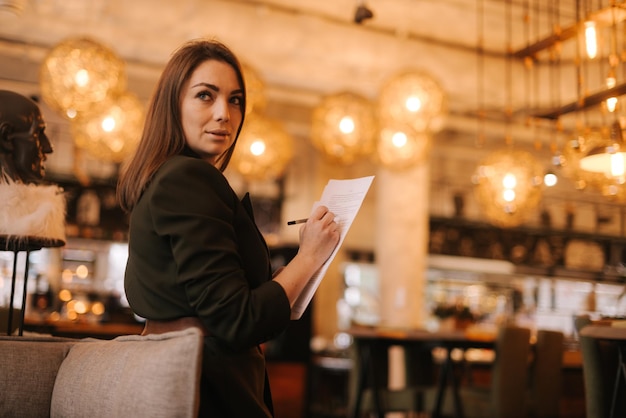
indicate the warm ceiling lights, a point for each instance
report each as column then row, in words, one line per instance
column 344, row 127
column 508, row 186
column 410, row 107
column 78, row 75
column 113, row 132
column 400, row 147
column 412, row 98
column 264, row 149
column 607, row 156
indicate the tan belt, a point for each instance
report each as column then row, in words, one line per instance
column 153, row 326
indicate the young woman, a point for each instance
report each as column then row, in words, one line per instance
column 196, row 257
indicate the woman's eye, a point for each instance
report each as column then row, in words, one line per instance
column 236, row 100
column 204, row 95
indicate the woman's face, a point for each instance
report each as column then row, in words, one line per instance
column 211, row 109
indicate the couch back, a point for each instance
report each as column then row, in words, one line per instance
column 138, row 376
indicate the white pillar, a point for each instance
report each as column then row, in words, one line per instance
column 402, row 244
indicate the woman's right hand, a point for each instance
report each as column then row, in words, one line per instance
column 318, row 238
column 319, row 235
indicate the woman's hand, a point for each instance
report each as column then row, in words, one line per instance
column 319, row 235
column 318, row 238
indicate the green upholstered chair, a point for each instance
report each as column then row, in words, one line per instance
column 600, row 365
column 546, row 375
column 505, row 395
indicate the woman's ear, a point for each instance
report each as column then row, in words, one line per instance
column 6, row 144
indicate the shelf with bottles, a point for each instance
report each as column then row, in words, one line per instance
column 547, row 252
column 459, row 292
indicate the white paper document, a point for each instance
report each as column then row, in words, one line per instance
column 344, row 199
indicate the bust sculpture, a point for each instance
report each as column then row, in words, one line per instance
column 23, row 142
column 32, row 212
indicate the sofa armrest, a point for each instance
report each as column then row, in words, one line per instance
column 28, row 370
column 131, row 376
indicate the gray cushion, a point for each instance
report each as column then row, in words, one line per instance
column 131, row 376
column 28, row 369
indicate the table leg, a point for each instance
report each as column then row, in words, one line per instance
column 367, row 375
column 458, row 405
column 21, row 329
column 621, row 374
column 361, row 368
column 441, row 384
column 12, row 297
column 374, row 385
column 447, row 372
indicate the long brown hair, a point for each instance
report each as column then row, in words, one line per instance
column 163, row 135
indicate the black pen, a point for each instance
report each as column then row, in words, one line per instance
column 297, row 221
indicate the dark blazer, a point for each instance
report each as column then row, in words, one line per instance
column 194, row 250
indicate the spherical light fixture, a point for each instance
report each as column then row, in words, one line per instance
column 509, row 185
column 113, row 133
column 595, row 161
column 344, row 127
column 412, row 98
column 78, row 75
column 400, row 147
column 263, row 150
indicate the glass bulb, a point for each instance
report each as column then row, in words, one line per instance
column 257, row 147
column 81, row 78
column 617, row 164
column 591, row 43
column 611, row 104
column 399, row 139
column 509, row 181
column 413, row 104
column 508, row 195
column 346, row 125
column 108, row 124
column 550, row 179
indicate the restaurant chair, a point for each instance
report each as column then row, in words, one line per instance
column 601, row 371
column 418, row 366
column 504, row 396
column 546, row 375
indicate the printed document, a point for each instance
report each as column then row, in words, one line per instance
column 344, row 199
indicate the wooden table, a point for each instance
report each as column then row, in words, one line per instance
column 366, row 338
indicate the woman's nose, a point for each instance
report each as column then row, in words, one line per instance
column 222, row 112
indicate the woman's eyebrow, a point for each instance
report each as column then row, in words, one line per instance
column 215, row 88
column 208, row 85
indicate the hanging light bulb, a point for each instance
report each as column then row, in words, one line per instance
column 79, row 75
column 591, row 39
column 344, row 127
column 263, row 150
column 607, row 157
column 412, row 98
column 400, row 147
column 550, row 179
column 113, row 133
column 508, row 186
column 611, row 102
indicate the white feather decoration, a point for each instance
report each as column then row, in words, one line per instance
column 30, row 210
